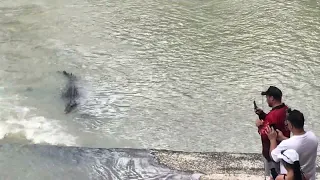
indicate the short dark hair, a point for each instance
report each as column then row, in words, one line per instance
column 296, row 118
column 296, row 167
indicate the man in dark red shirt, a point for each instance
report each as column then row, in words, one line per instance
column 275, row 118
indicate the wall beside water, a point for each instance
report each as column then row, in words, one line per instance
column 35, row 162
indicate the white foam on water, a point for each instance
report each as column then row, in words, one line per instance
column 19, row 122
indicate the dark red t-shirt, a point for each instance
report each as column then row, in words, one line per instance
column 276, row 117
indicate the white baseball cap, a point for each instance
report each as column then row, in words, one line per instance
column 289, row 156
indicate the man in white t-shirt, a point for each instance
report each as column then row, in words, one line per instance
column 305, row 143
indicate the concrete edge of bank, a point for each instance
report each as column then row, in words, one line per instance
column 212, row 165
column 217, row 165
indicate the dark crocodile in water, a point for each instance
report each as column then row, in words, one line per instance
column 71, row 93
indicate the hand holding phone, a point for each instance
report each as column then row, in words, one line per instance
column 256, row 109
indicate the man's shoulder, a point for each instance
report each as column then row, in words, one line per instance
column 290, row 142
column 311, row 135
column 281, row 109
column 296, row 139
column 276, row 115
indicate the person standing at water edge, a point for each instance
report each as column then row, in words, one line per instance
column 276, row 118
column 305, row 143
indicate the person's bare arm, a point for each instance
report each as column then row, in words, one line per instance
column 280, row 177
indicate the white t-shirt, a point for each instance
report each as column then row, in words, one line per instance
column 306, row 145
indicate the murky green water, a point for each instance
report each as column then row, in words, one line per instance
column 178, row 75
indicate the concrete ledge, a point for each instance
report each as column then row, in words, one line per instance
column 217, row 165
column 231, row 177
column 58, row 162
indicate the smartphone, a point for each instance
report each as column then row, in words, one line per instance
column 255, row 105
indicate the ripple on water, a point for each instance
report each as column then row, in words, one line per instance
column 185, row 60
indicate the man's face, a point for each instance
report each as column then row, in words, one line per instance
column 269, row 100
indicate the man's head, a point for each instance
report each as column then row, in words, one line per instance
column 295, row 120
column 273, row 95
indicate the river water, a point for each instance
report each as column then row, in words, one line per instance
column 177, row 75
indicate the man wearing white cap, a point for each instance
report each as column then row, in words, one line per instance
column 305, row 143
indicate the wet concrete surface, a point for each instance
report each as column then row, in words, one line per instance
column 54, row 162
column 216, row 165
